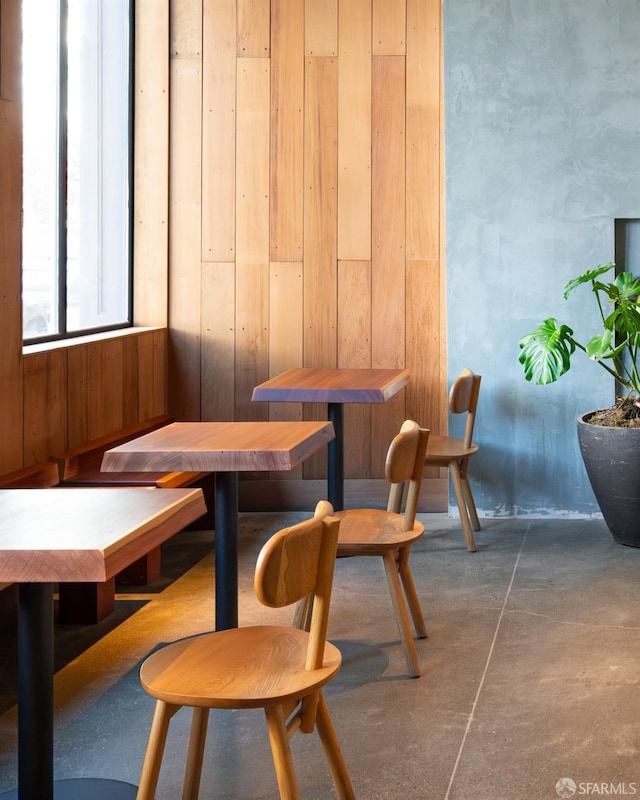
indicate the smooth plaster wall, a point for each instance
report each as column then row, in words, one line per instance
column 542, row 133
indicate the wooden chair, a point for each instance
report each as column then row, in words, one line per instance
column 391, row 533
column 447, row 451
column 279, row 669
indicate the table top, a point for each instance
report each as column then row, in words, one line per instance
column 332, row 385
column 220, row 447
column 75, row 534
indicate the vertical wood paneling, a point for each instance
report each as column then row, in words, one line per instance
column 287, row 86
column 253, row 28
column 218, row 342
column 77, row 409
column 11, row 367
column 151, row 386
column 45, row 407
column 320, row 232
column 252, row 162
column 389, row 27
column 185, row 229
column 151, row 164
column 55, row 397
column 252, row 346
column 285, row 336
column 388, row 241
column 131, row 378
column 104, row 387
column 285, row 329
column 10, row 50
column 388, row 213
column 321, row 27
column 354, row 350
column 252, row 234
column 320, row 209
column 423, row 129
column 145, row 380
column 354, row 143
column 218, row 130
column 160, row 373
column 186, row 29
column 426, row 395
column 232, row 198
column 285, row 318
column 11, row 381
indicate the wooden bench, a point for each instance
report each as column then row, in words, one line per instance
column 80, row 466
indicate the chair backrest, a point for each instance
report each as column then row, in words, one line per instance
column 403, row 469
column 464, row 397
column 297, row 562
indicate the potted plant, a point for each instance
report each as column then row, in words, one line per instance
column 609, row 438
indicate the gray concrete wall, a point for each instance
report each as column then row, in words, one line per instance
column 542, row 134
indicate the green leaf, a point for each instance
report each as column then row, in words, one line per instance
column 588, row 277
column 546, row 353
column 602, row 346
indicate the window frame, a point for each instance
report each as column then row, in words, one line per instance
column 61, row 332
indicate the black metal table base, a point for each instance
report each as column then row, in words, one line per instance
column 86, row 789
column 335, row 457
column 226, row 550
column 35, row 711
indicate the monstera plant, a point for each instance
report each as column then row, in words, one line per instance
column 609, row 438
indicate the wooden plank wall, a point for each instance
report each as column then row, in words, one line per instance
column 56, row 396
column 307, row 207
column 288, row 212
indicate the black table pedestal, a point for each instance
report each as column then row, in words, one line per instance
column 226, row 550
column 35, row 710
column 335, row 457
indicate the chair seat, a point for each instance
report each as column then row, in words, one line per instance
column 237, row 668
column 371, row 531
column 444, row 448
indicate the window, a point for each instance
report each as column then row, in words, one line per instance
column 77, row 155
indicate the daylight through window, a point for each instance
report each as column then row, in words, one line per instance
column 77, row 114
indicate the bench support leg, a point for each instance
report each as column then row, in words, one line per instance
column 85, row 603
column 142, row 572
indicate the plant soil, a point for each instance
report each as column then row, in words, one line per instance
column 625, row 414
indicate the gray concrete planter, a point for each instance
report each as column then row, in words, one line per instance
column 612, row 460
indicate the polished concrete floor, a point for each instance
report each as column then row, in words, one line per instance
column 530, row 674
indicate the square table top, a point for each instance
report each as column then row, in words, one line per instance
column 332, row 385
column 77, row 534
column 220, row 447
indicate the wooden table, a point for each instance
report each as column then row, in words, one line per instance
column 58, row 535
column 225, row 448
column 334, row 387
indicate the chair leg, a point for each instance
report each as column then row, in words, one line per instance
column 410, row 592
column 462, row 506
column 332, row 750
column 470, row 504
column 155, row 750
column 195, row 755
column 283, row 762
column 402, row 617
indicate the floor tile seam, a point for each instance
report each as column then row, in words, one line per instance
column 485, row 670
column 574, row 623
